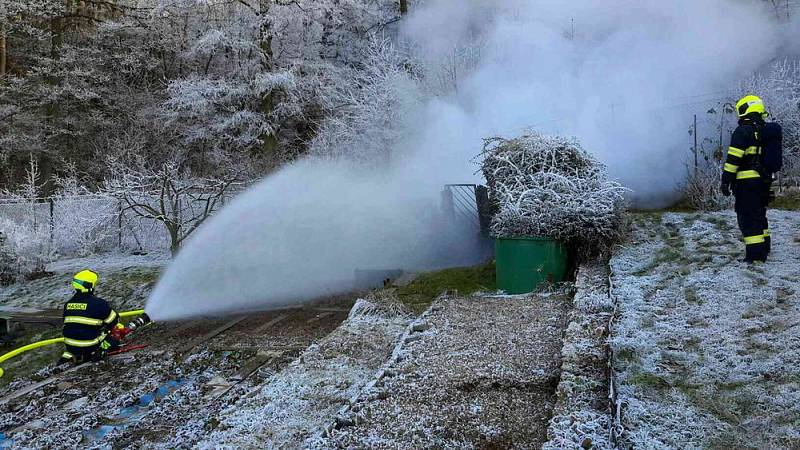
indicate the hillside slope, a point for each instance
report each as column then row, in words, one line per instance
column 706, row 347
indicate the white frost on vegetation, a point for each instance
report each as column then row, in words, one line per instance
column 476, row 372
column 581, row 417
column 550, row 186
column 302, row 399
column 705, row 347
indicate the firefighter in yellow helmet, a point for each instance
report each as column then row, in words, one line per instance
column 88, row 321
column 748, row 171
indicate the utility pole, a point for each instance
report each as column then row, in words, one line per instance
column 572, row 31
column 694, row 133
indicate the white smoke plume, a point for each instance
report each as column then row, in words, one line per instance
column 623, row 76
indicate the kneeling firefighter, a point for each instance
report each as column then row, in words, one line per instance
column 754, row 156
column 91, row 326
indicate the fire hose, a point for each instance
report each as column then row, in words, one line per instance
column 139, row 322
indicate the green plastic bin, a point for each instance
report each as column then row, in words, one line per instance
column 525, row 262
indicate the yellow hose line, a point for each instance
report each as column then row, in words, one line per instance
column 35, row 345
column 25, row 348
column 135, row 312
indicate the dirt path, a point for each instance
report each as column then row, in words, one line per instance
column 479, row 372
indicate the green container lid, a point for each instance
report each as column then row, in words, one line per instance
column 525, row 262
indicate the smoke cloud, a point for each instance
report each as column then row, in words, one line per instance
column 624, row 76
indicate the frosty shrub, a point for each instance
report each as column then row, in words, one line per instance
column 8, row 262
column 29, row 247
column 374, row 107
column 549, row 186
column 779, row 87
column 24, row 224
column 84, row 225
column 702, row 191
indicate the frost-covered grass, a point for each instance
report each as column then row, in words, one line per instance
column 706, row 347
column 125, row 281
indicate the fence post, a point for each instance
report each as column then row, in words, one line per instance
column 484, row 209
column 52, row 219
column 447, row 206
column 694, row 149
column 119, row 225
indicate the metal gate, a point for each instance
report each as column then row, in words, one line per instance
column 468, row 202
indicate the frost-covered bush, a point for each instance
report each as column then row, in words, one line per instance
column 8, row 262
column 550, row 186
column 779, row 87
column 25, row 224
column 29, row 246
column 85, row 225
column 702, row 191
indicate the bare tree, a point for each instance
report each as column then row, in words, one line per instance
column 169, row 195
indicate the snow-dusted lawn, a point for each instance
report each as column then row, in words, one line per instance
column 125, row 281
column 707, row 348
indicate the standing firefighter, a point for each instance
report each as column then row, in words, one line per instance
column 88, row 321
column 754, row 156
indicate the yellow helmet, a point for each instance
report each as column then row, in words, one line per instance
column 84, row 281
column 750, row 104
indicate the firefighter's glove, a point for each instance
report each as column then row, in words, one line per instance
column 726, row 189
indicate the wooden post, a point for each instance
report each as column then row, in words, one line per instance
column 52, row 221
column 572, row 30
column 119, row 225
column 694, row 133
column 3, row 52
column 403, row 7
column 447, row 203
column 484, row 209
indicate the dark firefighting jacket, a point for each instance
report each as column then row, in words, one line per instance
column 87, row 322
column 744, row 154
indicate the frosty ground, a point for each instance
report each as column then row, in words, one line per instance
column 706, row 347
column 704, row 356
column 323, row 376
